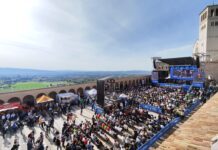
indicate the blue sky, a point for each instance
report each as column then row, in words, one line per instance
column 96, row 34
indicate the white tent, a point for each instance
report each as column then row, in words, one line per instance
column 92, row 92
column 123, row 96
column 68, row 97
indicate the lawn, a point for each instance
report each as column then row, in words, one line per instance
column 29, row 85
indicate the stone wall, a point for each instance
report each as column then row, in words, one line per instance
column 211, row 69
column 78, row 89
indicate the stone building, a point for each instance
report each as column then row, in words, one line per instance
column 206, row 47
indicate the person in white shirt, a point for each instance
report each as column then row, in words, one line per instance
column 8, row 116
column 3, row 117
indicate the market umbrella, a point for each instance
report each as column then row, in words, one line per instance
column 44, row 99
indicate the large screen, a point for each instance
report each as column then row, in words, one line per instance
column 182, row 72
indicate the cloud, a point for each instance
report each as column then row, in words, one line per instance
column 88, row 35
column 181, row 51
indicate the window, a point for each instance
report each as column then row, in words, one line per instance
column 217, row 12
column 212, row 23
column 212, row 12
column 216, row 23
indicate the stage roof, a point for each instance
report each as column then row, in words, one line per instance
column 179, row 61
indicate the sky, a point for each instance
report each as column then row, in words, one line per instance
column 96, row 34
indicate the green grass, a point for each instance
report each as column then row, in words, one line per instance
column 29, row 85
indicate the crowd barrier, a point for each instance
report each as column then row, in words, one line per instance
column 151, row 108
column 157, row 136
column 198, row 84
column 192, row 107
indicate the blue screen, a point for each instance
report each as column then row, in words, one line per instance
column 183, row 72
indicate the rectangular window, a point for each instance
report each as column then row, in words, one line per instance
column 216, row 23
column 201, row 18
column 212, row 13
column 217, row 12
column 212, row 23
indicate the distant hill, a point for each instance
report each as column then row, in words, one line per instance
column 15, row 72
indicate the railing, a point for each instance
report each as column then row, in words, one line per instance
column 192, row 107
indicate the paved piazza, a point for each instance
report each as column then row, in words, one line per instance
column 7, row 143
column 196, row 132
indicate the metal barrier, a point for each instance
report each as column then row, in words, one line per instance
column 192, row 107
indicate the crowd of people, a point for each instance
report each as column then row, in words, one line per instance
column 172, row 101
column 123, row 125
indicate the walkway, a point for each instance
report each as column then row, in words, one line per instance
column 196, row 132
column 7, row 143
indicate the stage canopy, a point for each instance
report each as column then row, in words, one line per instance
column 181, row 61
column 44, row 99
column 10, row 106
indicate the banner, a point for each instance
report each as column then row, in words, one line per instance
column 10, row 106
column 184, row 86
column 151, row 108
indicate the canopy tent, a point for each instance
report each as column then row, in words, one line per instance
column 123, row 96
column 68, row 97
column 9, row 106
column 92, row 92
column 44, row 99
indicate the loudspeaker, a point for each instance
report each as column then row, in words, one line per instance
column 100, row 92
column 197, row 62
column 154, row 63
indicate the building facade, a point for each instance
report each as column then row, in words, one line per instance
column 206, row 47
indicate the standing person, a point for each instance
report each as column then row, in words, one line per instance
column 63, row 139
column 81, row 112
column 42, row 123
column 16, row 145
column 29, row 144
column 58, row 143
column 3, row 132
column 51, row 124
column 47, row 130
column 81, row 102
column 31, row 136
column 93, row 104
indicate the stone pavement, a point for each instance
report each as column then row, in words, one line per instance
column 196, row 132
column 7, row 143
